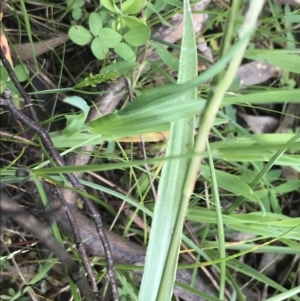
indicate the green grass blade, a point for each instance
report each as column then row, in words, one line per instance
column 221, row 235
column 169, row 212
column 28, row 29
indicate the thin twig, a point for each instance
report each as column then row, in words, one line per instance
column 7, row 103
column 34, row 125
column 29, row 222
column 77, row 238
column 18, row 85
column 46, row 140
column 25, row 284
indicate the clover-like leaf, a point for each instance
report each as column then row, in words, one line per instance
column 137, row 36
column 133, row 22
column 125, row 52
column 22, row 72
column 77, row 13
column 132, row 7
column 80, row 35
column 109, row 37
column 95, row 23
column 99, row 49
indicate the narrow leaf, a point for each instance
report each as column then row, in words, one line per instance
column 75, row 122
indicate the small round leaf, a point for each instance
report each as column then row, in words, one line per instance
column 77, row 13
column 22, row 72
column 95, row 23
column 99, row 50
column 125, row 52
column 80, row 35
column 138, row 36
column 109, row 37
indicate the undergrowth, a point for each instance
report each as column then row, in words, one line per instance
column 219, row 190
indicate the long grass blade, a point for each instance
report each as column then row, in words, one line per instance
column 169, row 213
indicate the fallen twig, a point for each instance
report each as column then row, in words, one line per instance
column 42, row 232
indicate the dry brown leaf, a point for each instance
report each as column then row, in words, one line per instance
column 5, row 47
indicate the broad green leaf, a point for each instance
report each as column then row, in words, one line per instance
column 170, row 60
column 133, row 22
column 132, row 7
column 75, row 122
column 287, row 61
column 137, row 36
column 99, row 50
column 109, row 37
column 125, row 52
column 95, row 23
column 22, row 72
column 80, row 35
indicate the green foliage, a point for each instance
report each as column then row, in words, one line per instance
column 75, row 122
column 170, row 210
column 137, row 36
column 99, row 50
column 125, row 51
column 169, row 59
column 121, row 32
column 239, row 167
column 76, row 7
column 286, row 60
column 22, row 73
column 80, row 35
